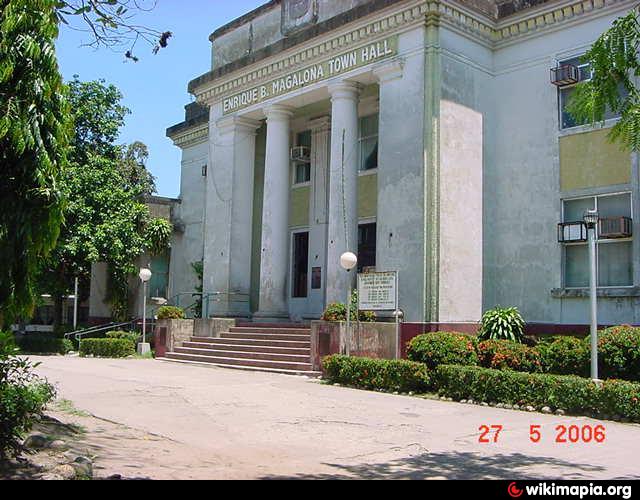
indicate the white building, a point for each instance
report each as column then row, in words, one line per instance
column 423, row 135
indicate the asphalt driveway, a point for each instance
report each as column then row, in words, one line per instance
column 220, row 423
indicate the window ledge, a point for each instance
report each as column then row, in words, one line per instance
column 581, row 129
column 579, row 293
column 371, row 171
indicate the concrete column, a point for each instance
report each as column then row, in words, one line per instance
column 343, row 185
column 401, row 185
column 227, row 256
column 274, row 267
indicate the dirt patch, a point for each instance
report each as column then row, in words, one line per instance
column 116, row 451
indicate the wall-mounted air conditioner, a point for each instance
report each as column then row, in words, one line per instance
column 301, row 154
column 572, row 232
column 565, row 74
column 615, row 227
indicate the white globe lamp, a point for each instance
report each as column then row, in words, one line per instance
column 348, row 261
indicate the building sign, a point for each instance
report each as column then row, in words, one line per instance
column 378, row 291
column 327, row 69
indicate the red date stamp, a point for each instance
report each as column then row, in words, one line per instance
column 564, row 434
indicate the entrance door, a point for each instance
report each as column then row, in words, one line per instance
column 300, row 265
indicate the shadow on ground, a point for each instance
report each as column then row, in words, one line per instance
column 455, row 465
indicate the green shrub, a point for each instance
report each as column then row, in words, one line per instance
column 133, row 337
column 107, row 348
column 502, row 324
column 573, row 394
column 365, row 373
column 170, row 312
column 507, row 355
column 23, row 397
column 8, row 345
column 337, row 311
column 619, row 352
column 443, row 348
column 43, row 344
column 565, row 356
column 622, row 398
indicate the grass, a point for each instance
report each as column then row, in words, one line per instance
column 66, row 406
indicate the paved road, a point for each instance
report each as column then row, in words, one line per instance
column 234, row 424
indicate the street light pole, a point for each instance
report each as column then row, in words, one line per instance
column 145, row 276
column 75, row 305
column 348, row 261
column 591, row 220
column 144, row 312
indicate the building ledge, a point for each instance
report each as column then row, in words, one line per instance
column 583, row 293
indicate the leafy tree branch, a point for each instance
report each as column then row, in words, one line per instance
column 111, row 23
column 613, row 87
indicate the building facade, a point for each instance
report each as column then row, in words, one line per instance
column 423, row 135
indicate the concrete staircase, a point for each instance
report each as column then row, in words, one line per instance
column 267, row 348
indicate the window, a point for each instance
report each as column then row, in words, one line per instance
column 302, row 172
column 369, row 142
column 614, row 256
column 565, row 93
column 159, row 282
column 300, row 264
column 366, row 246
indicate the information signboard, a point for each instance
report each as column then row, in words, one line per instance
column 378, row 291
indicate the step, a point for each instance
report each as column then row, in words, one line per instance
column 246, row 324
column 278, row 365
column 271, row 331
column 302, row 351
column 310, row 374
column 265, row 336
column 304, row 344
column 266, row 356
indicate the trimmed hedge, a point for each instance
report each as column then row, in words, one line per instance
column 43, row 344
column 507, row 355
column 619, row 352
column 573, row 394
column 130, row 336
column 565, row 356
column 170, row 312
column 107, row 348
column 443, row 348
column 385, row 374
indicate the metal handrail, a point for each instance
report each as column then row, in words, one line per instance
column 78, row 334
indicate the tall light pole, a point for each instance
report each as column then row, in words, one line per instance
column 75, row 305
column 145, row 276
column 591, row 220
column 348, row 261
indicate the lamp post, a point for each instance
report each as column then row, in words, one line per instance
column 75, row 304
column 145, row 276
column 348, row 261
column 591, row 221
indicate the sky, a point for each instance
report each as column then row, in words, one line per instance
column 155, row 88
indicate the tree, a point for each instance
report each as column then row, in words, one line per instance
column 134, row 167
column 34, row 126
column 615, row 66
column 106, row 219
column 34, row 129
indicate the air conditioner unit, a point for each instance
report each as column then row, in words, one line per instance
column 615, row 227
column 301, row 154
column 566, row 74
column 572, row 232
